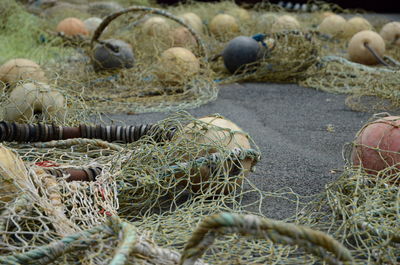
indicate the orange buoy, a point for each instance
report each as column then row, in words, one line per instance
column 378, row 145
column 72, row 27
column 21, row 69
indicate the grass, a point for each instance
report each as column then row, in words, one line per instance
column 23, row 35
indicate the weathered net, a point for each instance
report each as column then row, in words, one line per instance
column 302, row 56
column 146, row 203
column 152, row 185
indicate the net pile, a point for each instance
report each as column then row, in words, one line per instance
column 146, row 203
column 310, row 58
column 303, row 56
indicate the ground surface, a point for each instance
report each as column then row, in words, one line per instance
column 290, row 125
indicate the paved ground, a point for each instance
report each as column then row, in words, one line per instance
column 289, row 124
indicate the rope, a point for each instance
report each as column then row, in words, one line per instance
column 127, row 244
column 334, row 58
column 48, row 253
column 131, row 243
column 313, row 241
column 157, row 11
column 375, row 54
column 213, row 159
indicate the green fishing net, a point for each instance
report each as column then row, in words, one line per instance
column 177, row 199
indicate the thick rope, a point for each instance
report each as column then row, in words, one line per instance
column 313, row 241
column 127, row 245
column 334, row 58
column 132, row 243
column 48, row 253
column 376, row 55
column 157, row 11
column 213, row 159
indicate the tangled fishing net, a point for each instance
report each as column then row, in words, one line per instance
column 149, row 82
column 173, row 194
column 159, row 201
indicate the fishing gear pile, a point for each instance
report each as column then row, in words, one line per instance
column 77, row 188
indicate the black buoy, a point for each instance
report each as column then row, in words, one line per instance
column 240, row 51
column 112, row 54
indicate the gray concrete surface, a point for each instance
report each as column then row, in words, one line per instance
column 289, row 124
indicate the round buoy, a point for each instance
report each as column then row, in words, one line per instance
column 265, row 21
column 240, row 51
column 333, row 25
column 112, row 54
column 181, row 37
column 390, row 32
column 12, row 168
column 285, row 22
column 20, row 69
column 326, row 14
column 242, row 14
column 377, row 145
column 156, row 26
column 177, row 65
column 355, row 25
column 359, row 53
column 193, row 20
column 72, row 27
column 29, row 99
column 220, row 132
column 223, row 24
column 92, row 23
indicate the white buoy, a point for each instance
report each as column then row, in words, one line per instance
column 29, row 99
column 359, row 53
column 177, row 65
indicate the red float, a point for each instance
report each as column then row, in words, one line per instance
column 378, row 145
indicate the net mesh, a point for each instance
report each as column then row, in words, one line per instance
column 160, row 202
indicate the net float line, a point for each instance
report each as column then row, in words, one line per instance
column 75, row 174
column 91, row 173
column 23, row 133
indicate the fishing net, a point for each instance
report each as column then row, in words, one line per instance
column 302, row 55
column 173, row 193
column 145, row 202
